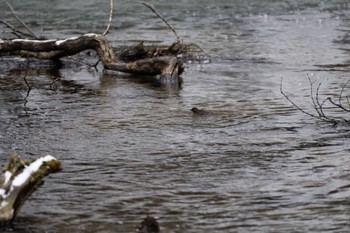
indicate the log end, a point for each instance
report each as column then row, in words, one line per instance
column 19, row 180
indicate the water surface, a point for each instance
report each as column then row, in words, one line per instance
column 131, row 147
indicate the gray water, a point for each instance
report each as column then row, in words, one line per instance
column 131, row 147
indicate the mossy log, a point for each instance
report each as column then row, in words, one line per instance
column 153, row 63
column 19, row 180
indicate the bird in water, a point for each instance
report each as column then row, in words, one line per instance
column 149, row 225
column 197, row 111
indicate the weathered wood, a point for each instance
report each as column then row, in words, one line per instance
column 55, row 49
column 19, row 180
column 166, row 66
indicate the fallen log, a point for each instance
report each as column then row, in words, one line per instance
column 153, row 60
column 19, row 180
column 165, row 66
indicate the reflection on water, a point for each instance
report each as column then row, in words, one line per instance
column 131, row 147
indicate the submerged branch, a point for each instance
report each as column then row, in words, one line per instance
column 319, row 106
column 294, row 104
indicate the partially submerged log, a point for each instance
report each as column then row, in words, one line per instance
column 19, row 180
column 149, row 64
column 153, row 60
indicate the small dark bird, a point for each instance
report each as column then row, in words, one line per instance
column 149, row 225
column 199, row 111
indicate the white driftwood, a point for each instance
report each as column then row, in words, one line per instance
column 19, row 180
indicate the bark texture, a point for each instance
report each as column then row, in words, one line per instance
column 152, row 64
column 19, row 180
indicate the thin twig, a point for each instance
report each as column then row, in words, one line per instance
column 25, row 78
column 95, row 65
column 319, row 107
column 54, row 82
column 15, row 31
column 312, row 96
column 337, row 105
column 110, row 18
column 318, row 101
column 296, row 106
column 28, row 86
column 342, row 90
column 152, row 8
column 19, row 20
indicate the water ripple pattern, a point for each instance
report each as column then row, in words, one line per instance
column 131, row 147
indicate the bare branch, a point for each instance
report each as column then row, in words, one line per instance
column 29, row 88
column 296, row 106
column 110, row 18
column 337, row 105
column 25, row 78
column 15, row 31
column 318, row 101
column 342, row 90
column 319, row 106
column 312, row 97
column 19, row 20
column 152, row 8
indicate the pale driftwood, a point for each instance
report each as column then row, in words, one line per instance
column 166, row 66
column 19, row 180
column 110, row 17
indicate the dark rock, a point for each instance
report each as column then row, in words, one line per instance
column 149, row 225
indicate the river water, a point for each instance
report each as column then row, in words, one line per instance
column 131, row 147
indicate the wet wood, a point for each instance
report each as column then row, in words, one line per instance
column 19, row 180
column 135, row 61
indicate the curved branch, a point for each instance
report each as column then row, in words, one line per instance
column 166, row 66
column 342, row 90
column 19, row 180
column 322, row 117
column 319, row 106
column 296, row 106
column 110, row 18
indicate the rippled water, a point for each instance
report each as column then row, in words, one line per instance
column 131, row 147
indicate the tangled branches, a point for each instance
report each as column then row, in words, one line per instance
column 168, row 65
column 322, row 107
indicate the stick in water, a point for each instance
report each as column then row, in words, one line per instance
column 152, row 8
column 110, row 18
column 19, row 20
